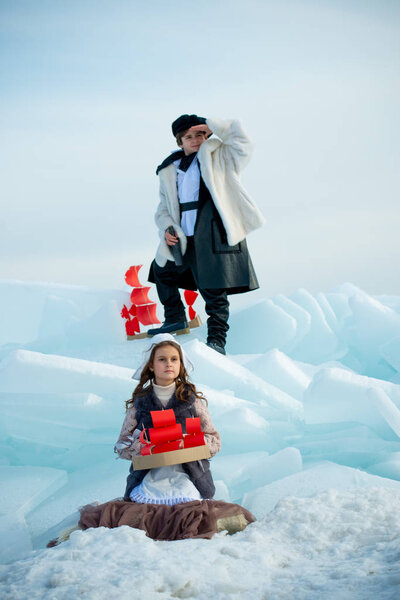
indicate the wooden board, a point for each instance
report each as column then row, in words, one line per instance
column 196, row 322
column 176, row 457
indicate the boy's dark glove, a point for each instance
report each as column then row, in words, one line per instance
column 176, row 249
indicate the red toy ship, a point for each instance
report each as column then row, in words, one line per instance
column 143, row 310
column 166, row 444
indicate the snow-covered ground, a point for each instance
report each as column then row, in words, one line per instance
column 307, row 402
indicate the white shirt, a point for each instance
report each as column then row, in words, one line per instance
column 188, row 184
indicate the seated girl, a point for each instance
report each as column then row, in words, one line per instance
column 171, row 502
column 163, row 384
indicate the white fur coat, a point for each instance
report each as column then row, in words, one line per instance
column 221, row 161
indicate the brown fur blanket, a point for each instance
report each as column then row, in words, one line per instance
column 196, row 519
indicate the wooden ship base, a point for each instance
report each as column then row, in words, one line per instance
column 196, row 322
column 175, row 457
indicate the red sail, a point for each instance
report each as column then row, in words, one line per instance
column 163, row 418
column 132, row 326
column 167, row 447
column 139, row 295
column 191, row 441
column 147, row 314
column 193, row 425
column 165, row 434
column 190, row 296
column 131, row 276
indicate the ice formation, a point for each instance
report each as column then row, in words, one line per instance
column 307, row 402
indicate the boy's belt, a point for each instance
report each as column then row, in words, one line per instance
column 189, row 205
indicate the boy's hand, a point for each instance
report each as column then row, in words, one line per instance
column 171, row 239
column 204, row 128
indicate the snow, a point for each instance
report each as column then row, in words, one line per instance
column 312, row 481
column 307, row 402
column 333, row 545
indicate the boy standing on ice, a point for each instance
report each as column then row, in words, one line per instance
column 210, row 213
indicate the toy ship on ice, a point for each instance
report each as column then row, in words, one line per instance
column 143, row 310
column 166, row 444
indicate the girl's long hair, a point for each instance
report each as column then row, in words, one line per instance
column 184, row 388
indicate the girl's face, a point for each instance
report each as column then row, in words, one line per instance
column 166, row 365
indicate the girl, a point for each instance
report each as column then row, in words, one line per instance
column 173, row 502
column 164, row 384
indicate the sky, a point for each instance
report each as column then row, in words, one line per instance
column 88, row 93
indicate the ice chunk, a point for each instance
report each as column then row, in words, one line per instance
column 260, row 327
column 23, row 488
column 310, row 370
column 104, row 326
column 64, row 527
column 328, row 311
column 241, row 423
column 62, row 420
column 220, row 372
column 58, row 314
column 387, row 468
column 339, row 303
column 347, row 289
column 336, row 395
column 277, row 368
column 320, row 343
column 244, row 472
column 391, row 353
column 101, row 483
column 236, row 418
column 15, row 541
column 390, row 301
column 26, row 371
column 18, row 452
column 354, row 446
column 302, row 317
column 311, row 481
column 221, row 491
column 87, row 454
column 17, row 324
column 373, row 324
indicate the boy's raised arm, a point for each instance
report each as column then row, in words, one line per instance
column 236, row 144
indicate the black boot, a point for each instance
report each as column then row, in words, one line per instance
column 167, row 327
column 216, row 347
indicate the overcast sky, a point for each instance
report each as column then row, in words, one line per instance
column 89, row 89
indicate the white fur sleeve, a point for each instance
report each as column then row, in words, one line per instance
column 236, row 146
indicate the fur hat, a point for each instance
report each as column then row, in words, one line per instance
column 186, row 122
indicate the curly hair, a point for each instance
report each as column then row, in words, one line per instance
column 185, row 389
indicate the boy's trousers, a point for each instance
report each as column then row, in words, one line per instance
column 216, row 300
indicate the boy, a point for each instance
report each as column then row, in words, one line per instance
column 202, row 199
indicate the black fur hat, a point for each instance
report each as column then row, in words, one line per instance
column 186, row 122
